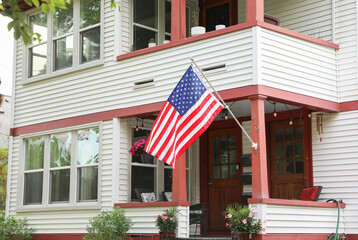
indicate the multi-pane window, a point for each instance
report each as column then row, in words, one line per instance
column 149, row 173
column 54, row 163
column 65, row 41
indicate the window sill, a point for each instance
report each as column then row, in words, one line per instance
column 58, row 207
column 151, row 204
column 63, row 71
column 275, row 201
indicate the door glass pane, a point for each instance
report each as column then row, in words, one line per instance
column 224, row 157
column 299, row 150
column 232, row 156
column 142, row 178
column 60, row 152
column 279, row 151
column 63, row 49
column 90, row 13
column 280, row 167
column 38, row 24
column 224, row 171
column 91, row 44
column 87, row 183
column 217, row 172
column 299, row 165
column 146, row 13
column 34, row 153
column 289, row 150
column 279, row 135
column 216, row 158
column 232, row 141
column 232, row 171
column 299, row 133
column 33, row 188
column 37, row 57
column 88, row 146
column 290, row 167
column 142, row 37
column 60, row 185
column 288, row 134
column 224, row 142
column 63, row 20
column 216, row 143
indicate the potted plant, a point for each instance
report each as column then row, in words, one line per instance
column 167, row 223
column 137, row 150
column 152, row 43
column 242, row 222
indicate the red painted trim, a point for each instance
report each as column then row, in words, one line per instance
column 275, row 201
column 152, row 204
column 291, row 236
column 235, row 94
column 178, row 26
column 58, row 236
column 296, row 34
column 186, row 40
column 179, row 180
column 348, row 106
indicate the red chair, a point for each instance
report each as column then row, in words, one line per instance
column 311, row 193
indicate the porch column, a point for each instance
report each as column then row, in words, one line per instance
column 179, row 180
column 178, row 27
column 258, row 156
column 254, row 10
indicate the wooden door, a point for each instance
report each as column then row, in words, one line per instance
column 223, row 175
column 287, row 159
column 214, row 12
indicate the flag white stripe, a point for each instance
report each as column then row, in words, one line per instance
column 156, row 125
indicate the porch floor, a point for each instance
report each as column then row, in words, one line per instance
column 207, row 238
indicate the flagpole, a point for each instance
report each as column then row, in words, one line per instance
column 254, row 145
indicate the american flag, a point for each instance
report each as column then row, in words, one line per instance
column 186, row 114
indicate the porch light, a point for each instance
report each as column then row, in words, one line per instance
column 309, row 114
column 224, row 113
column 274, row 110
column 136, row 126
column 291, row 122
column 142, row 124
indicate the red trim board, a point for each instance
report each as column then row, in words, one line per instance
column 297, row 236
column 235, row 94
column 152, row 204
column 275, row 201
column 58, row 236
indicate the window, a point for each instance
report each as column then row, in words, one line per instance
column 65, row 43
column 149, row 173
column 55, row 163
column 151, row 22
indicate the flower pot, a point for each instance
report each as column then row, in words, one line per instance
column 240, row 235
column 167, row 235
column 197, row 30
column 146, row 158
column 152, row 44
column 219, row 26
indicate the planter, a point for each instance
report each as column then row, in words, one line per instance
column 146, row 158
column 197, row 30
column 152, row 44
column 240, row 235
column 167, row 235
column 220, row 26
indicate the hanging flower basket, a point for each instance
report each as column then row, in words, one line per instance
column 137, row 147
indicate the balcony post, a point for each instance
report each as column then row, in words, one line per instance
column 179, row 180
column 178, row 27
column 254, row 10
column 258, row 157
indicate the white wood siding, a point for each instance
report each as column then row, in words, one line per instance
column 299, row 66
column 335, row 165
column 298, row 219
column 66, row 220
column 313, row 18
column 346, row 16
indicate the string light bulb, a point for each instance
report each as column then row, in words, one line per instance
column 136, row 126
column 142, row 124
column 291, row 122
column 274, row 110
column 310, row 114
column 224, row 113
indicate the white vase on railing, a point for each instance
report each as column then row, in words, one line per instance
column 197, row 30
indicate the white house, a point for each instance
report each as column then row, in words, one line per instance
column 288, row 70
column 5, row 115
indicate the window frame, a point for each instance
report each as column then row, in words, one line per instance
column 160, row 167
column 73, row 202
column 77, row 48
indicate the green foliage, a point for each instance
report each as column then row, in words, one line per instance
column 3, row 176
column 242, row 219
column 168, row 221
column 12, row 228
column 109, row 225
column 22, row 30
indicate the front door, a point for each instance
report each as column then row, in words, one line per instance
column 287, row 159
column 223, row 175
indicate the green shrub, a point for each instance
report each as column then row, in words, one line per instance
column 168, row 221
column 109, row 225
column 12, row 228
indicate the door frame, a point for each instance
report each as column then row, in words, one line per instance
column 204, row 163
